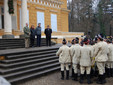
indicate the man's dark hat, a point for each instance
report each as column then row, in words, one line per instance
column 64, row 40
column 73, row 41
column 85, row 40
column 109, row 41
column 76, row 38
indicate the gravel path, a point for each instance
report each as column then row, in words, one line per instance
column 54, row 79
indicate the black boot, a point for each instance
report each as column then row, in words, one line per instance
column 106, row 71
column 96, row 73
column 92, row 73
column 81, row 78
column 62, row 75
column 67, row 74
column 89, row 79
column 111, row 72
column 99, row 81
column 108, row 74
column 104, row 78
column 72, row 73
column 75, row 77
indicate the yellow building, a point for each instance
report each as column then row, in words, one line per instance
column 46, row 12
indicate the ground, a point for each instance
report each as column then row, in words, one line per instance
column 54, row 79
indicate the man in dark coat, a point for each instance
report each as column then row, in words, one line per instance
column 38, row 33
column 48, row 33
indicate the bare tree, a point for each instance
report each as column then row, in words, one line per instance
column 83, row 18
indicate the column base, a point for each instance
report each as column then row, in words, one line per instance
column 7, row 36
column 22, row 36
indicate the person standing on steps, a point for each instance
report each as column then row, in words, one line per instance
column 48, row 32
column 64, row 59
column 32, row 36
column 38, row 33
column 27, row 35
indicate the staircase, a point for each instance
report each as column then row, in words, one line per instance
column 19, row 66
column 18, row 43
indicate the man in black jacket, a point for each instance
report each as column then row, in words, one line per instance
column 48, row 33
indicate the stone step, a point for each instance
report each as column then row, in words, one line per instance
column 31, row 53
column 15, row 60
column 14, row 42
column 10, row 45
column 19, row 46
column 2, row 48
column 37, row 69
column 27, row 62
column 15, row 39
column 15, row 52
column 18, row 43
column 32, row 75
column 10, row 70
column 22, row 64
column 11, row 41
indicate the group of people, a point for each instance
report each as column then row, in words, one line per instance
column 30, row 34
column 88, row 58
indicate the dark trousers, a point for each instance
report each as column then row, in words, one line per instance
column 32, row 42
column 48, row 40
column 38, row 40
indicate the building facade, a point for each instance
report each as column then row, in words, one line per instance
column 46, row 12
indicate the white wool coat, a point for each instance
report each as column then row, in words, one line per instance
column 75, row 53
column 85, row 56
column 64, row 54
column 110, row 54
column 92, row 50
column 72, row 51
column 101, row 51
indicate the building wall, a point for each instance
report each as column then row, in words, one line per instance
column 61, row 12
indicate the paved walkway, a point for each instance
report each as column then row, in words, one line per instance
column 54, row 79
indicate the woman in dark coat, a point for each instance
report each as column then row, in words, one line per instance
column 32, row 36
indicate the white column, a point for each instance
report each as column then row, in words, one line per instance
column 7, row 19
column 14, row 17
column 24, row 13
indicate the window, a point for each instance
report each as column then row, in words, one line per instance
column 54, row 22
column 40, row 19
column 14, row 22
